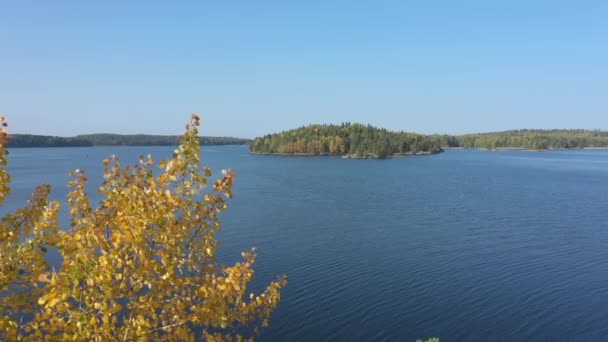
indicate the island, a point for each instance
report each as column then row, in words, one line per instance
column 104, row 139
column 349, row 140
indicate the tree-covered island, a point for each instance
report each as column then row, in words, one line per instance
column 351, row 140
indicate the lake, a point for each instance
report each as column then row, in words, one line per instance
column 464, row 245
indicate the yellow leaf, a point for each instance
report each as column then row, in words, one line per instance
column 53, row 302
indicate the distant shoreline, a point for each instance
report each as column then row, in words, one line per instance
column 103, row 139
column 500, row 149
column 26, row 147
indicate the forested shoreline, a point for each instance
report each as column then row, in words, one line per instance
column 365, row 141
column 355, row 140
column 530, row 139
column 30, row 140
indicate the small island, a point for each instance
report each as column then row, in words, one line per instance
column 349, row 140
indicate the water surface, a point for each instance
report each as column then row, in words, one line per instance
column 464, row 245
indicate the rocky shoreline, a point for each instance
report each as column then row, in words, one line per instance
column 354, row 156
column 407, row 154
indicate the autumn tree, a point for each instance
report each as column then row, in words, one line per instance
column 140, row 265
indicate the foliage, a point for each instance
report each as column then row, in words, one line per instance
column 362, row 141
column 531, row 139
column 24, row 237
column 139, row 266
column 29, row 140
column 345, row 139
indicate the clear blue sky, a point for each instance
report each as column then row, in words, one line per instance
column 252, row 67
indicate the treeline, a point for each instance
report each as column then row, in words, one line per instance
column 28, row 140
column 346, row 139
column 531, row 139
column 154, row 140
column 349, row 139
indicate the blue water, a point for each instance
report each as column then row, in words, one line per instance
column 465, row 245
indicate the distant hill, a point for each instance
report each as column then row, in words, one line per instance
column 154, row 140
column 28, row 140
column 348, row 139
column 531, row 139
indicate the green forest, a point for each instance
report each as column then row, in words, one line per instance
column 28, row 140
column 530, row 139
column 357, row 140
column 348, row 139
